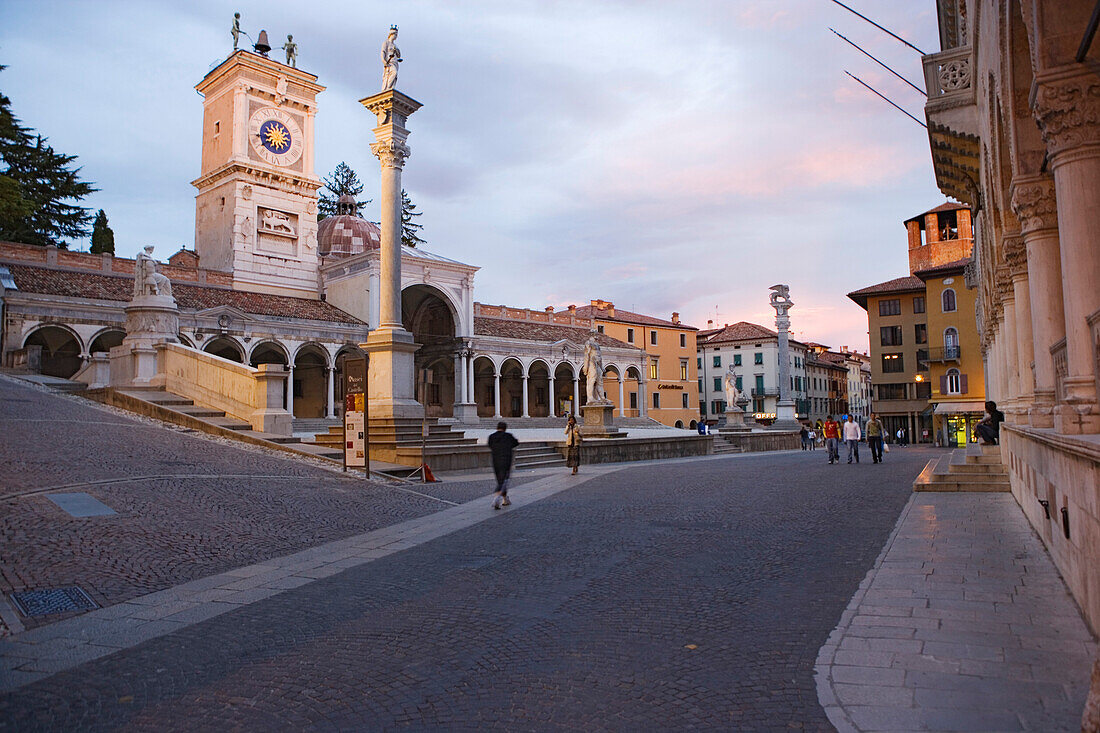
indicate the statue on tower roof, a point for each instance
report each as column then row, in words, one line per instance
column 236, row 29
column 391, row 57
column 291, row 49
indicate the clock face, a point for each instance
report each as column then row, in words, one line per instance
column 275, row 136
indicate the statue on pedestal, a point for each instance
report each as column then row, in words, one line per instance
column 592, row 367
column 147, row 281
column 732, row 393
column 781, row 299
column 391, row 57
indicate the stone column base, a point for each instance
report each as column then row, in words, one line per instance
column 597, row 420
column 1041, row 412
column 391, row 374
column 466, row 412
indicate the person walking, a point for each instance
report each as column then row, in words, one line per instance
column 572, row 444
column 813, row 440
column 875, row 431
column 831, row 431
column 805, row 435
column 852, row 437
column 502, row 446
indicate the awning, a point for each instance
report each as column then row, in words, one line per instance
column 955, row 408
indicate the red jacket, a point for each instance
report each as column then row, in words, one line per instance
column 832, row 429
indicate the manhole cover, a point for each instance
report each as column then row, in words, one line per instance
column 52, row 600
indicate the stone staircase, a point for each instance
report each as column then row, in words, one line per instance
column 973, row 468
column 725, row 443
column 403, row 442
column 538, row 455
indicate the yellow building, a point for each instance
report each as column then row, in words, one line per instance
column 953, row 355
column 671, row 389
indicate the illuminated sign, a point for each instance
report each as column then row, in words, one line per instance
column 670, row 386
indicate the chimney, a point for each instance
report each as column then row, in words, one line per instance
column 573, row 309
column 710, row 323
column 549, row 309
column 675, row 317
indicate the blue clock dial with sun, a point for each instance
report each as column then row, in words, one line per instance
column 276, row 136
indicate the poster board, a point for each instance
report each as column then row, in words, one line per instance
column 355, row 414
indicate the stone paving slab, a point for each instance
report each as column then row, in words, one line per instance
column 44, row 651
column 962, row 624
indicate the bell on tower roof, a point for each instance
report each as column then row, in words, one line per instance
column 262, row 46
column 346, row 206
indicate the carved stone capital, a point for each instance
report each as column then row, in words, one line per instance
column 1067, row 108
column 391, row 153
column 1034, row 202
column 1015, row 256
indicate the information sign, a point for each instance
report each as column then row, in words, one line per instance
column 355, row 414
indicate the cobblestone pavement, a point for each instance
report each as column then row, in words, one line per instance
column 963, row 624
column 187, row 506
column 669, row 594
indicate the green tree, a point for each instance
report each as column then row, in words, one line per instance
column 341, row 182
column 40, row 190
column 103, row 238
column 409, row 229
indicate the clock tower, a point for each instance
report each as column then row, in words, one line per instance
column 256, row 210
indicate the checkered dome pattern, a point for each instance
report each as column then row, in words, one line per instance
column 344, row 235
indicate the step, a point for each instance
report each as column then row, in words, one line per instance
column 229, row 423
column 196, row 410
column 960, row 464
column 541, row 464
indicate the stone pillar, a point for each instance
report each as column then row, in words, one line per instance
column 271, row 418
column 622, row 402
column 460, row 377
column 643, row 403
column 1067, row 107
column 496, row 395
column 785, row 414
column 465, row 409
column 1034, row 202
column 525, row 410
column 391, row 382
column 330, row 408
column 553, row 398
column 290, row 390
column 1016, row 255
column 576, row 394
column 1008, row 339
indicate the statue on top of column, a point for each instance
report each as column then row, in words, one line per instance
column 147, row 281
column 781, row 298
column 391, row 57
column 291, row 49
column 592, row 366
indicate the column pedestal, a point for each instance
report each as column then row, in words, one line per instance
column 390, row 369
column 597, row 421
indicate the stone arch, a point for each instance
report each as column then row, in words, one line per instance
column 225, row 347
column 511, row 387
column 185, row 341
column 311, row 365
column 485, row 371
column 105, row 340
column 564, row 374
column 61, row 349
column 430, row 316
column 539, row 398
column 268, row 351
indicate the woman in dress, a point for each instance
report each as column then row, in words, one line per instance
column 572, row 443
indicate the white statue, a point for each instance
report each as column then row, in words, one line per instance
column 391, row 57
column 147, row 281
column 732, row 393
column 781, row 298
column 593, row 370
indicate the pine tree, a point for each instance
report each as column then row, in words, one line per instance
column 341, row 182
column 409, row 228
column 39, row 188
column 103, row 238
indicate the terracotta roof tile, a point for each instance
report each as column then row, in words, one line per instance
column 948, row 206
column 741, row 331
column 99, row 286
column 534, row 331
column 906, row 284
column 944, row 268
column 625, row 316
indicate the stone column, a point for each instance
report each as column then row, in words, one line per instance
column 460, row 377
column 1067, row 107
column 1008, row 339
column 290, row 390
column 576, row 394
column 330, row 408
column 553, row 397
column 1034, row 202
column 465, row 409
column 643, row 403
column 1016, row 255
column 391, row 382
column 496, row 395
column 622, row 403
column 525, row 410
column 785, row 414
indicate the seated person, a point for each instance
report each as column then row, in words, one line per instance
column 989, row 429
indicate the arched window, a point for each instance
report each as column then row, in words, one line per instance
column 954, row 382
column 948, row 299
column 951, row 343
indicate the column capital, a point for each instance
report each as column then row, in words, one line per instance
column 1015, row 256
column 1034, row 202
column 1067, row 108
column 391, row 152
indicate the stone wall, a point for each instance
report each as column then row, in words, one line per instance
column 763, row 441
column 615, row 450
column 1043, row 465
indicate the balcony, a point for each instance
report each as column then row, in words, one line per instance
column 766, row 392
column 944, row 354
column 952, row 114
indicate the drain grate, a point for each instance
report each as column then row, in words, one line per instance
column 52, row 600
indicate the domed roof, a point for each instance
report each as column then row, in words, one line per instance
column 346, row 233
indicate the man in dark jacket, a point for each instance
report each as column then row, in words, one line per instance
column 502, row 445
